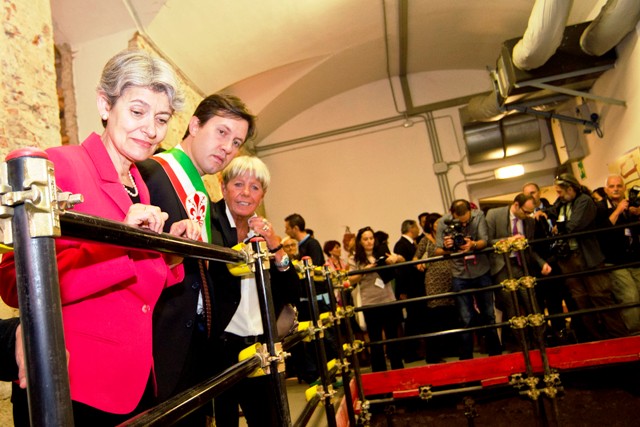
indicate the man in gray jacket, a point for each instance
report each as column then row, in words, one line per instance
column 465, row 230
column 514, row 220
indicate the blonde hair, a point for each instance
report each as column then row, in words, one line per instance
column 139, row 68
column 247, row 164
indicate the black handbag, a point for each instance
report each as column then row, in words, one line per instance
column 287, row 321
column 561, row 249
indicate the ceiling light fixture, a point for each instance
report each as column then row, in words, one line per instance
column 407, row 121
column 509, row 171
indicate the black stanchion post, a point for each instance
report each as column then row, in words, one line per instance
column 344, row 365
column 537, row 321
column 518, row 323
column 355, row 362
column 321, row 356
column 274, row 349
column 32, row 194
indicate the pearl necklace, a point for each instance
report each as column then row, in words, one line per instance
column 133, row 193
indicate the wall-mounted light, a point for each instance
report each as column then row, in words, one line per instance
column 509, row 171
column 407, row 121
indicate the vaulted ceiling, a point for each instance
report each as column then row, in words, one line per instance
column 284, row 56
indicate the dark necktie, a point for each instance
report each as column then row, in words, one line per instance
column 515, row 232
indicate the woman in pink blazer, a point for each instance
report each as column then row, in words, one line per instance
column 108, row 293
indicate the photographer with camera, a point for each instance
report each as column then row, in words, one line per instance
column 620, row 245
column 465, row 230
column 576, row 211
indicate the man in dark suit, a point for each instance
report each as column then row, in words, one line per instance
column 182, row 317
column 513, row 221
column 552, row 292
column 410, row 284
column 304, row 358
column 576, row 211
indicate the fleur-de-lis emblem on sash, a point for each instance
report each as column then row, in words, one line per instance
column 196, row 204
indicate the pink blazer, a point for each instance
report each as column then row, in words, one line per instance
column 108, row 293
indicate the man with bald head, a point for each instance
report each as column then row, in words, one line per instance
column 620, row 246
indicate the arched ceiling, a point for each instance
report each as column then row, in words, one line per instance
column 284, row 56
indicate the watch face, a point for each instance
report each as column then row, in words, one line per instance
column 284, row 262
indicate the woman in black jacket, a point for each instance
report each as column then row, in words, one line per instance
column 237, row 319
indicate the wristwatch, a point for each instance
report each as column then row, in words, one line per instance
column 284, row 262
column 276, row 249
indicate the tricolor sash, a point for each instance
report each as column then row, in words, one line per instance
column 189, row 187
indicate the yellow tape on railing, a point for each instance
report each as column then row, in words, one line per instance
column 248, row 353
column 242, row 269
column 310, row 392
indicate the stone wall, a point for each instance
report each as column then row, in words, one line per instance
column 28, row 98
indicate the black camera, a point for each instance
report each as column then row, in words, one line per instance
column 634, row 200
column 456, row 231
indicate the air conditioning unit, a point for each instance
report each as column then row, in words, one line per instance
column 513, row 135
column 570, row 141
column 569, row 67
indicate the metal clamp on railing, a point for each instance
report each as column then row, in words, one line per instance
column 251, row 257
column 518, row 322
column 535, row 319
column 553, row 384
column 67, row 200
column 319, row 391
column 531, row 384
column 510, row 285
column 356, row 347
column 425, row 392
column 342, row 364
column 327, row 319
column 41, row 199
column 265, row 358
column 511, row 244
column 527, row 282
column 349, row 311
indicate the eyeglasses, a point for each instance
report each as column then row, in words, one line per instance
column 289, row 245
column 526, row 212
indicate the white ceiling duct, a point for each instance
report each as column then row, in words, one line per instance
column 543, row 34
column 616, row 19
column 484, row 108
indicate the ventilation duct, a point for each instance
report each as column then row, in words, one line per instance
column 552, row 58
column 543, row 34
column 513, row 135
column 616, row 19
column 569, row 68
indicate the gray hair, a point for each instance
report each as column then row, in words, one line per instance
column 614, row 175
column 247, row 164
column 139, row 68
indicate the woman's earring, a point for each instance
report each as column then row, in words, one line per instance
column 105, row 116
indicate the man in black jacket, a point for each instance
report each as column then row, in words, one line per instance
column 182, row 318
column 410, row 284
column 620, row 246
column 575, row 211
